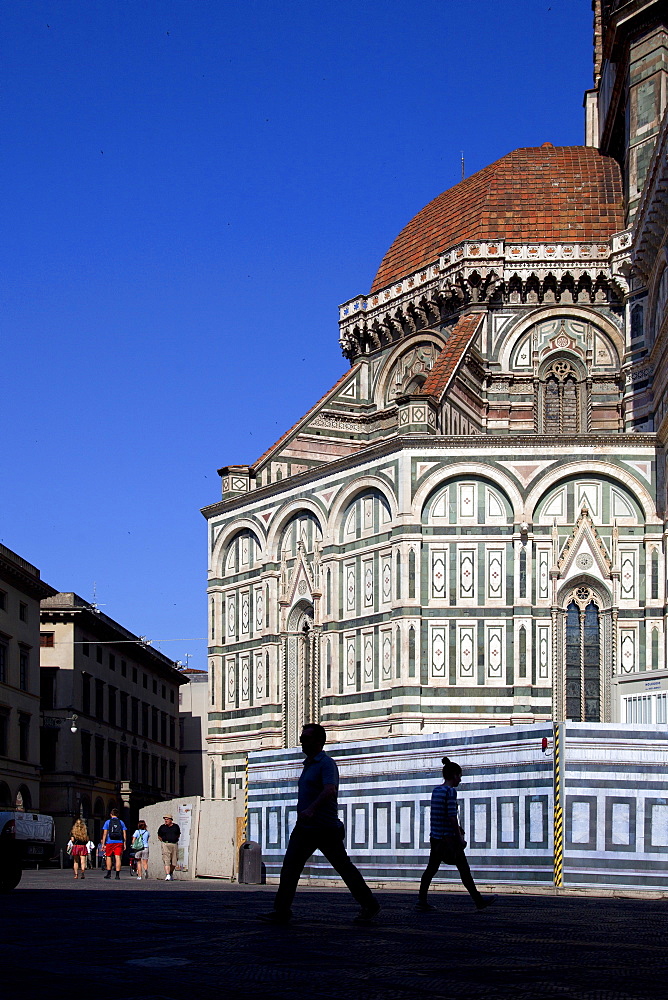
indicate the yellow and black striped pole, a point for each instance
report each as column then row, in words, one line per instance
column 246, row 801
column 558, row 812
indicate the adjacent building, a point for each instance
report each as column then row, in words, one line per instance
column 469, row 528
column 109, row 734
column 195, row 771
column 21, row 590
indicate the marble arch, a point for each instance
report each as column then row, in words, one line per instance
column 286, row 513
column 228, row 532
column 444, row 475
column 574, row 469
column 349, row 494
column 401, row 348
column 559, row 312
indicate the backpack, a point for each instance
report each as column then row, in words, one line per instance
column 138, row 841
column 115, row 831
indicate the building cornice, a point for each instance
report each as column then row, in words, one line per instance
column 490, row 272
column 473, row 444
column 105, row 629
column 19, row 573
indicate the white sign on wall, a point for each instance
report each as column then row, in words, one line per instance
column 184, row 820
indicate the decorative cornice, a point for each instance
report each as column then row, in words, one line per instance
column 484, row 273
column 471, row 443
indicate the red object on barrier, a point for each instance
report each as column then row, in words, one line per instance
column 544, row 743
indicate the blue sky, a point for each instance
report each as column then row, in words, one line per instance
column 189, row 190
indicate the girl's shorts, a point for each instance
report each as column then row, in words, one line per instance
column 142, row 855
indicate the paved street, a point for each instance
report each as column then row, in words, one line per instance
column 155, row 940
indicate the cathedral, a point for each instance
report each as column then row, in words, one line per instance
column 470, row 527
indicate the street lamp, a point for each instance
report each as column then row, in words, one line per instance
column 73, row 720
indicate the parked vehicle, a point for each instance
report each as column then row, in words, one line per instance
column 24, row 836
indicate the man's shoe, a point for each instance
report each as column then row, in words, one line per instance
column 367, row 913
column 276, row 917
column 108, row 875
column 425, row 907
column 485, row 901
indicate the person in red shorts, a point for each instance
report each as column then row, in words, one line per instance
column 114, row 834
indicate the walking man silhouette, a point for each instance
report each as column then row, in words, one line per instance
column 318, row 827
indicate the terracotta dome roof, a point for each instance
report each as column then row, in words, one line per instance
column 537, row 194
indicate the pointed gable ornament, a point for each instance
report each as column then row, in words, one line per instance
column 584, row 552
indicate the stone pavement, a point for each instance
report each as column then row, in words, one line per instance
column 180, row 940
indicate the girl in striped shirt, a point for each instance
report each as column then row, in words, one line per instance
column 446, row 838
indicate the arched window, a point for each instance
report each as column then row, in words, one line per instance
column 583, row 658
column 562, row 400
column 5, row 794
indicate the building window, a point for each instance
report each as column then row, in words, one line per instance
column 164, row 691
column 172, row 731
column 24, row 666
column 134, row 675
column 99, row 700
column 85, row 753
column 4, row 651
column 561, row 400
column 4, row 731
column 85, row 694
column 155, row 687
column 48, row 743
column 172, row 776
column 23, row 611
column 46, row 640
column 124, row 763
column 163, row 728
column 583, row 658
column 99, row 757
column 112, row 761
column 134, row 764
column 154, row 724
column 112, row 661
column 98, row 654
column 144, row 719
column 47, row 686
column 85, row 648
column 3, row 600
column 154, row 771
column 182, row 733
column 24, row 736
column 171, row 695
column 134, row 722
column 111, row 702
column 124, row 710
column 124, row 669
column 144, row 680
column 163, row 775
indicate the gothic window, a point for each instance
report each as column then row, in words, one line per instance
column 583, row 658
column 561, row 399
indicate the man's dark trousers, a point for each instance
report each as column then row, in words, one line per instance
column 329, row 840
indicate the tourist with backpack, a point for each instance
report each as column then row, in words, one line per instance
column 140, row 846
column 114, row 834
